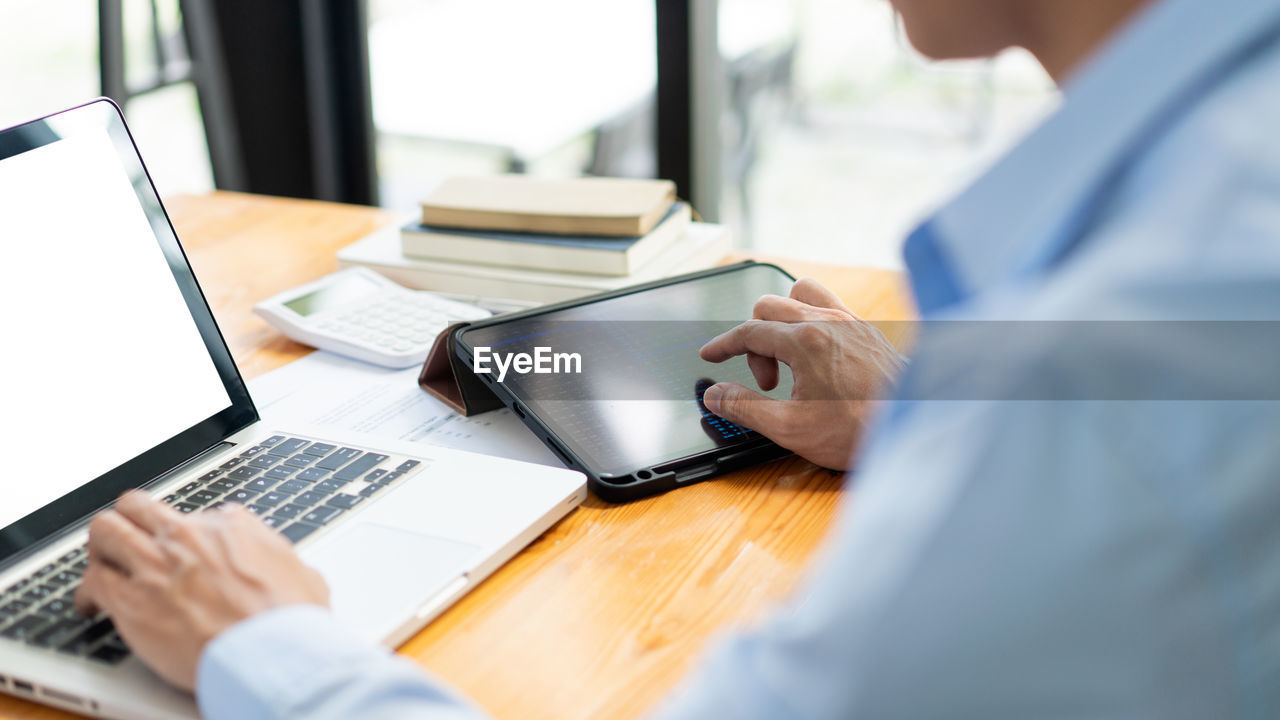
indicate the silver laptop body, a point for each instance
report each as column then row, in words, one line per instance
column 122, row 380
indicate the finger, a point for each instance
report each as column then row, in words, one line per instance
column 115, row 540
column 153, row 516
column 96, row 587
column 748, row 408
column 761, row 337
column 248, row 532
column 780, row 309
column 764, row 369
column 812, row 292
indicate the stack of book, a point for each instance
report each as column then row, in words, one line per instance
column 540, row 240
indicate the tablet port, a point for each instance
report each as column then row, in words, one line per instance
column 517, row 409
column 23, row 686
column 643, row 474
column 696, row 473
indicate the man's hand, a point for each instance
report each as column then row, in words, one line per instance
column 840, row 364
column 172, row 582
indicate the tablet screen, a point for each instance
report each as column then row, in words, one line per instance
column 619, row 381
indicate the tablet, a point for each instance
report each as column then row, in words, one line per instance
column 613, row 383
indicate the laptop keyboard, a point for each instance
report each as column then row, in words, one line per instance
column 296, row 485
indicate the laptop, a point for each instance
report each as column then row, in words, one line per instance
column 115, row 376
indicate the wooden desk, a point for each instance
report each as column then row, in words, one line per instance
column 604, row 613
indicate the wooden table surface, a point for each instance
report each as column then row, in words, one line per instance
column 603, row 614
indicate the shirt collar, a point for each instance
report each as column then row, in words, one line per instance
column 1033, row 205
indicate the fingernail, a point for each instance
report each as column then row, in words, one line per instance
column 711, row 398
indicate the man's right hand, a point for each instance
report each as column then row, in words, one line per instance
column 840, row 365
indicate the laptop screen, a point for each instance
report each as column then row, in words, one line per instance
column 112, row 354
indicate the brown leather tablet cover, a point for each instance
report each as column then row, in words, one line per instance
column 446, row 376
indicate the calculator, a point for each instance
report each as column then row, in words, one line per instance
column 358, row 313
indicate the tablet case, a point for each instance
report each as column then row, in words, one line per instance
column 454, row 378
column 447, row 377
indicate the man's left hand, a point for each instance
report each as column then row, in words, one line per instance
column 172, row 582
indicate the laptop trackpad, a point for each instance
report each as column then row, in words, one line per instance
column 379, row 576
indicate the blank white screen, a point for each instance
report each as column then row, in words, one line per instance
column 102, row 359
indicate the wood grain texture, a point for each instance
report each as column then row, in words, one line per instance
column 603, row 614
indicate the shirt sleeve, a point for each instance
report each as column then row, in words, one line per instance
column 299, row 662
column 1025, row 559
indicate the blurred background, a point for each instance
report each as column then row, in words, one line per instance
column 808, row 126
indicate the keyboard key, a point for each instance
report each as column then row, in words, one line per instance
column 310, row 497
column 289, row 512
column 46, row 570
column 244, row 473
column 110, row 653
column 264, row 461
column 83, row 640
column 281, row 472
column 322, row 515
column 232, row 463
column 63, row 578
column 344, row 501
column 408, row 465
column 74, row 554
column 272, row 499
column 275, row 521
column 330, row 486
column 25, row 627
column 354, row 470
column 273, row 440
column 292, row 487
column 204, row 497
column 288, row 447
column 301, row 461
column 170, row 499
column 224, row 484
column 390, row 477
column 241, row 496
column 299, row 530
column 262, row 484
column 58, row 606
column 313, row 474
column 184, row 507
column 253, row 451
column 13, row 608
column 371, row 488
column 374, row 475
column 339, row 458
column 258, row 509
column 319, row 449
column 39, row 592
column 203, row 478
column 58, row 631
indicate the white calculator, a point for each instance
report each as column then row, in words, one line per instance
column 358, row 313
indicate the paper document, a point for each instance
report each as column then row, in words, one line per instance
column 332, row 397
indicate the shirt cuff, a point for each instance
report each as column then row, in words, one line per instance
column 270, row 664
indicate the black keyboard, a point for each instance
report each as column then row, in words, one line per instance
column 298, row 486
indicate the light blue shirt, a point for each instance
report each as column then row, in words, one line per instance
column 1007, row 554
